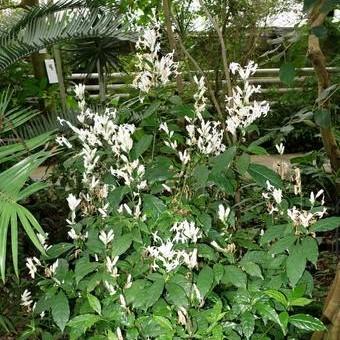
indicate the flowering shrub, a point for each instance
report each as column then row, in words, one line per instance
column 159, row 246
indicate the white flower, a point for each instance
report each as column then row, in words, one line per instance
column 122, row 300
column 106, row 238
column 73, row 202
column 166, row 187
column 223, row 213
column 111, row 289
column 31, row 264
column 182, row 316
column 26, row 299
column 184, row 156
column 119, row 334
column 128, row 283
column 50, row 271
column 313, row 197
column 280, row 148
column 164, row 127
column 61, row 140
column 42, row 238
column 79, row 90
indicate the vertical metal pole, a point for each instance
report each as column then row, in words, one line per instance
column 59, row 68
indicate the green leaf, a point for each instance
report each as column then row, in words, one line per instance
column 287, row 73
column 200, row 175
column 164, row 323
column 141, row 146
column 326, row 224
column 60, row 310
column 261, row 174
column 94, row 303
column 278, row 296
column 296, row 264
column 323, row 118
column 83, row 268
column 81, row 323
column 235, row 276
column 59, row 249
column 257, row 150
column 306, row 322
column 154, row 292
column 268, row 312
column 153, row 206
column 205, row 280
column 252, row 269
column 284, row 317
column 300, row 302
column 223, row 161
column 273, row 232
column 218, row 272
column 176, row 295
column 248, row 324
column 282, row 244
column 310, row 249
column 242, row 163
column 121, row 245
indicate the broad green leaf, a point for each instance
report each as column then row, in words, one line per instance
column 326, row 224
column 83, row 268
column 278, row 296
column 153, row 206
column 235, row 276
column 60, row 310
column 257, row 150
column 282, row 244
column 320, row 31
column 141, row 146
column 59, row 249
column 94, row 303
column 223, row 161
column 273, row 232
column 284, row 317
column 248, row 324
column 310, row 249
column 268, row 312
column 200, row 175
column 121, row 244
column 242, row 163
column 81, row 323
column 306, row 322
column 252, row 269
column 287, row 73
column 163, row 322
column 154, row 292
column 296, row 264
column 205, row 280
column 176, row 295
column 218, row 272
column 261, row 174
column 300, row 302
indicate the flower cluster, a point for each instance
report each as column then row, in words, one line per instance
column 299, row 217
column 168, row 255
column 154, row 69
column 241, row 111
column 98, row 133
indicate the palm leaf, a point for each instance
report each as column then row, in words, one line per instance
column 12, row 190
column 45, row 30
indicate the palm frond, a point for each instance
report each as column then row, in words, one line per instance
column 12, row 214
column 13, row 117
column 43, row 31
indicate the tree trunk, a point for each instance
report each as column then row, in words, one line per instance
column 172, row 42
column 331, row 311
column 101, row 82
column 316, row 19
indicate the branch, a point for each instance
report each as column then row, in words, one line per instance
column 223, row 48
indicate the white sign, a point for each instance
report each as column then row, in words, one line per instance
column 51, row 71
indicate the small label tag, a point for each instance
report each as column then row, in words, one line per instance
column 51, row 71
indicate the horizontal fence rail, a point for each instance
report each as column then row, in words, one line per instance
column 119, row 83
